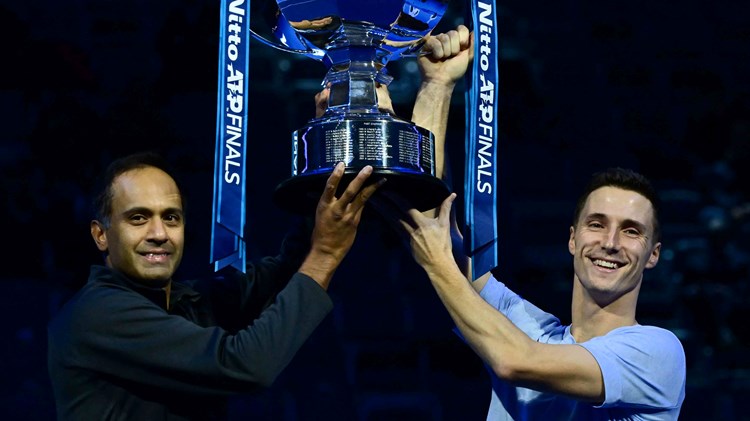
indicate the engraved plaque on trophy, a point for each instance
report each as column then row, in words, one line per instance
column 355, row 40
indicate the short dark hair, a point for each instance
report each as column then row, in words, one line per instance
column 103, row 200
column 625, row 179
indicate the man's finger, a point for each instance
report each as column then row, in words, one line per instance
column 464, row 36
column 434, row 47
column 406, row 226
column 355, row 185
column 416, row 215
column 445, row 209
column 362, row 197
column 329, row 193
column 445, row 46
column 454, row 41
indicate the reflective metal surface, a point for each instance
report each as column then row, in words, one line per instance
column 356, row 40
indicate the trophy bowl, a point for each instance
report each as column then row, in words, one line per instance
column 356, row 40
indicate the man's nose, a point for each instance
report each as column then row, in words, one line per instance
column 612, row 240
column 157, row 231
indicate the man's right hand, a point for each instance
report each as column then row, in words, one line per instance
column 448, row 56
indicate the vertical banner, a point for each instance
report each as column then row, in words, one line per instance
column 481, row 142
column 227, row 231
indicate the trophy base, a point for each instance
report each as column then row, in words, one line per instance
column 398, row 150
column 300, row 194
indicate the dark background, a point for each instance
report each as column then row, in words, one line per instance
column 661, row 87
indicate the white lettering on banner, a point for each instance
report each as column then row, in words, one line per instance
column 234, row 99
column 485, row 170
column 485, row 159
column 231, row 145
column 236, row 9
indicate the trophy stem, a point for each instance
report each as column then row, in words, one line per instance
column 357, row 93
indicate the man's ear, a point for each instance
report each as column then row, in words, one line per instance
column 572, row 241
column 653, row 258
column 99, row 234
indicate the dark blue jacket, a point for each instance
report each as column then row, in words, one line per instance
column 117, row 353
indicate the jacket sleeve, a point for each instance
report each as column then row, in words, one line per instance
column 238, row 298
column 121, row 334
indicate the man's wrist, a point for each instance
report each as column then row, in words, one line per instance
column 320, row 266
column 441, row 269
column 438, row 85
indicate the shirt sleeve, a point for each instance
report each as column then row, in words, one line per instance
column 641, row 366
column 526, row 316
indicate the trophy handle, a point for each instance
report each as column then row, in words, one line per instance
column 316, row 54
column 288, row 39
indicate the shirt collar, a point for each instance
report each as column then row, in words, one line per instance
column 156, row 295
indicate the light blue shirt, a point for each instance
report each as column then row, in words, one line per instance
column 643, row 369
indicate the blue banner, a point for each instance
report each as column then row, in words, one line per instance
column 228, row 228
column 480, row 206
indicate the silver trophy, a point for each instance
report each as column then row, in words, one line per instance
column 355, row 40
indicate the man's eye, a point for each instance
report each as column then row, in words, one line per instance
column 595, row 225
column 137, row 218
column 172, row 218
column 632, row 232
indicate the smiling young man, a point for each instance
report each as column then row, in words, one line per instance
column 135, row 344
column 604, row 365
